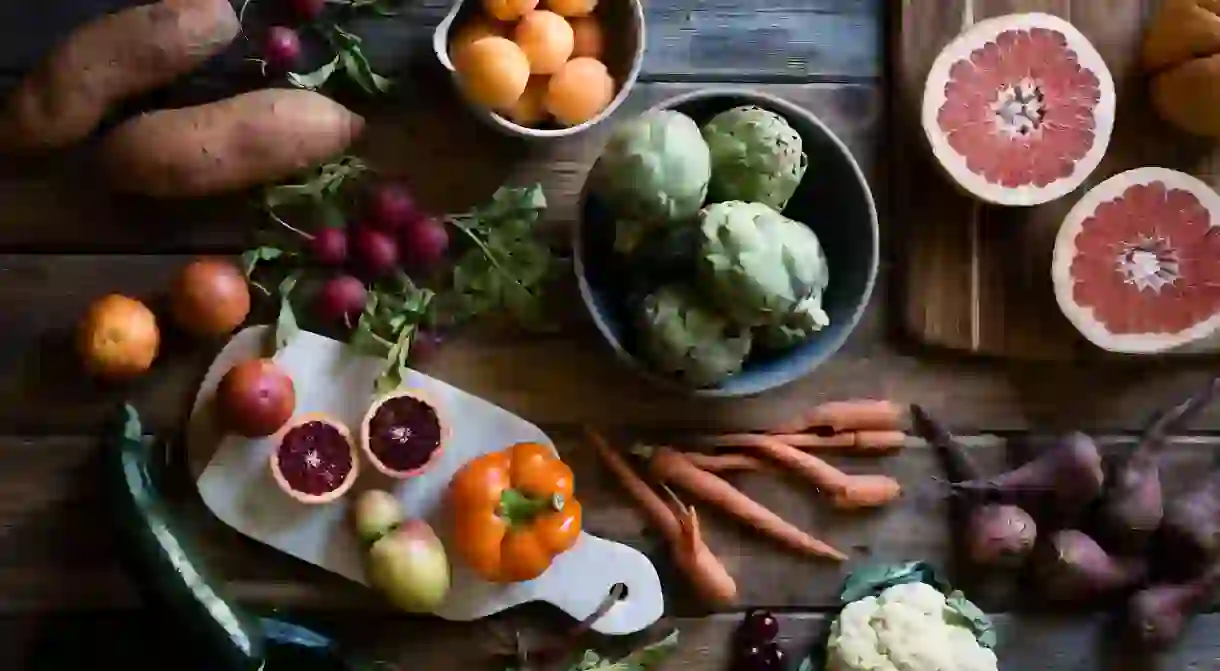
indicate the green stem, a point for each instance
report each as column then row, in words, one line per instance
column 520, row 509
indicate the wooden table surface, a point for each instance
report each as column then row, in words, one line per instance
column 64, row 241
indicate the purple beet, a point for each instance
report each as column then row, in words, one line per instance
column 1069, row 566
column 995, row 534
column 1069, row 477
column 1157, row 615
column 1133, row 505
column 1189, row 537
column 281, row 48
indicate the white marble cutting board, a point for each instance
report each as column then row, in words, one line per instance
column 237, row 486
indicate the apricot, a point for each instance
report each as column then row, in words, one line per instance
column 546, row 38
column 579, row 91
column 572, row 7
column 588, row 40
column 493, row 72
column 509, row 10
column 474, row 31
column 530, row 108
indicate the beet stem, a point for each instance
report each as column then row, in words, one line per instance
column 1165, row 422
column 958, row 464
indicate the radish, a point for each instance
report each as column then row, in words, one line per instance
column 282, row 49
column 340, row 300
column 391, row 207
column 424, row 243
column 307, row 10
column 376, row 251
column 329, row 246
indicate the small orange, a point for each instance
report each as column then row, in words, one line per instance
column 546, row 38
column 588, row 41
column 509, row 10
column 579, row 91
column 474, row 31
column 572, row 7
column 493, row 72
column 118, row 337
column 530, row 108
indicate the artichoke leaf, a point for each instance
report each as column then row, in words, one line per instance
column 685, row 338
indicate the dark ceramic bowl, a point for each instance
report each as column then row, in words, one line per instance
column 834, row 200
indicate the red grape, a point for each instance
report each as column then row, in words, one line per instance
column 758, row 626
column 765, row 657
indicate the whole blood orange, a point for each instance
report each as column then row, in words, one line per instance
column 1019, row 109
column 118, row 337
column 314, row 460
column 1136, row 265
column 210, row 298
column 255, row 398
column 402, row 434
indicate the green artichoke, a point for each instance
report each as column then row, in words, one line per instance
column 806, row 319
column 762, row 268
column 683, row 337
column 654, row 170
column 756, row 156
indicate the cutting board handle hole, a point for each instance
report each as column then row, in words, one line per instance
column 619, row 591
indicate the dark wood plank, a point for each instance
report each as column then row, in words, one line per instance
column 761, row 40
column 59, row 204
column 58, row 554
column 141, row 642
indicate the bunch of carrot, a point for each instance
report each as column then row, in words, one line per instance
column 862, row 427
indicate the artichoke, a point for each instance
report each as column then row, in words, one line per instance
column 762, row 268
column 683, row 337
column 756, row 156
column 806, row 319
column 654, row 170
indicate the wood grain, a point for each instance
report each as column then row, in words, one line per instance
column 977, row 278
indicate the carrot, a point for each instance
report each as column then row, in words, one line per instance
column 680, row 528
column 847, row 491
column 720, row 463
column 855, row 415
column 671, row 467
column 852, row 441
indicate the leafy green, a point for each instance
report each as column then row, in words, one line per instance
column 873, row 580
column 286, row 326
column 355, row 64
column 507, row 266
column 316, row 79
column 970, row 616
column 647, row 658
column 390, row 321
column 253, row 257
column 321, row 184
column 382, row 7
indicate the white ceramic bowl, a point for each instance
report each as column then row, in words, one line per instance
column 624, row 19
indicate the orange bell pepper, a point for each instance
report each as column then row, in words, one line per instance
column 514, row 512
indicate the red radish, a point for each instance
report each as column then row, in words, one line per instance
column 341, row 300
column 376, row 251
column 282, row 49
column 329, row 246
column 424, row 243
column 391, row 207
column 307, row 10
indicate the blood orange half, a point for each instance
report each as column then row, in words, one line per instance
column 403, row 433
column 315, row 460
column 1136, row 265
column 1019, row 109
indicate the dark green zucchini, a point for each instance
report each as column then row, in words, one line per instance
column 217, row 630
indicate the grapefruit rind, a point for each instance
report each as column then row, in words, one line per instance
column 421, row 396
column 286, row 487
column 1082, row 317
column 955, row 164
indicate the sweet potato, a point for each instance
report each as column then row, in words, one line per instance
column 254, row 138
column 107, row 60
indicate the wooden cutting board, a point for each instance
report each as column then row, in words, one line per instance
column 976, row 278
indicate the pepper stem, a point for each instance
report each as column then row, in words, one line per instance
column 518, row 508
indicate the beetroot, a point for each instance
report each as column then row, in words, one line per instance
column 391, row 207
column 376, row 252
column 1133, row 506
column 995, row 534
column 1189, row 537
column 424, row 243
column 1069, row 566
column 1068, row 477
column 340, row 300
column 329, row 246
column 1157, row 615
column 307, row 10
column 281, row 48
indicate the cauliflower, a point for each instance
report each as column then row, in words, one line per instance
column 909, row 627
